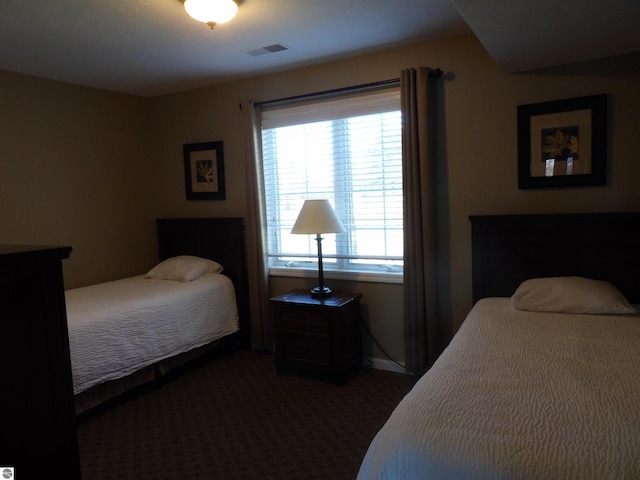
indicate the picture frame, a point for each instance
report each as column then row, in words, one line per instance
column 204, row 171
column 562, row 143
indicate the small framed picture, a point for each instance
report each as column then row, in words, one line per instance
column 562, row 143
column 204, row 171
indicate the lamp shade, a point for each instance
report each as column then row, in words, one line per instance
column 211, row 11
column 317, row 216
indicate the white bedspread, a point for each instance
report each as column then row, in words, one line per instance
column 116, row 328
column 521, row 395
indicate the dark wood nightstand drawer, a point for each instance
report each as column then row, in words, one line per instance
column 305, row 350
column 304, row 322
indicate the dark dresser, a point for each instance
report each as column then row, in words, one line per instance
column 38, row 437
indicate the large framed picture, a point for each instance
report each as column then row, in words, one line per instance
column 562, row 143
column 204, row 171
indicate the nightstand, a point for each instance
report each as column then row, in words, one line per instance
column 318, row 335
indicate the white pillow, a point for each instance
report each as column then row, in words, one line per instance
column 183, row 268
column 570, row 295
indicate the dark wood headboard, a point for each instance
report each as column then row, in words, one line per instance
column 219, row 239
column 508, row 249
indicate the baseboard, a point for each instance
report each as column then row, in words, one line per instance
column 384, row 364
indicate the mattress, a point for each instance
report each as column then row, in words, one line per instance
column 520, row 395
column 119, row 327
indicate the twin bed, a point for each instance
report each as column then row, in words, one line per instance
column 542, row 380
column 130, row 331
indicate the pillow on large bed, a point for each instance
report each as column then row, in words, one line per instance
column 570, row 295
column 183, row 268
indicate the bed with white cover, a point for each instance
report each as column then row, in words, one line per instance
column 130, row 331
column 542, row 380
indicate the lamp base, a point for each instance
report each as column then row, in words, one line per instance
column 321, row 292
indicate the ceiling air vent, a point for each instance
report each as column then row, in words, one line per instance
column 276, row 47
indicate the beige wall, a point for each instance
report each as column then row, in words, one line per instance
column 74, row 170
column 95, row 169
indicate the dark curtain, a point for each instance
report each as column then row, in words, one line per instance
column 420, row 218
column 261, row 322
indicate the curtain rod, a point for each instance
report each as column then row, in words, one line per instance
column 334, row 92
column 434, row 72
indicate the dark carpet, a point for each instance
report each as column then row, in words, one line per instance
column 232, row 417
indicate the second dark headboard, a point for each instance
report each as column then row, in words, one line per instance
column 508, row 249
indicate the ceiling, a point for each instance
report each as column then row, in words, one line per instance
column 152, row 47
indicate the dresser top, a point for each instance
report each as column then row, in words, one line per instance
column 17, row 252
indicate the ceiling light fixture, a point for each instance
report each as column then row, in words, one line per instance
column 211, row 12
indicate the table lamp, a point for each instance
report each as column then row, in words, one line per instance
column 318, row 217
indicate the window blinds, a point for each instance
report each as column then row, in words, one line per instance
column 349, row 151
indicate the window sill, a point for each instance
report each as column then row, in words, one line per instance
column 373, row 277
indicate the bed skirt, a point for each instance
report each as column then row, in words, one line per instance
column 109, row 390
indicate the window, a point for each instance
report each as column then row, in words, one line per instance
column 349, row 151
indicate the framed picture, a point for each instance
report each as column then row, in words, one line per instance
column 562, row 143
column 204, row 171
